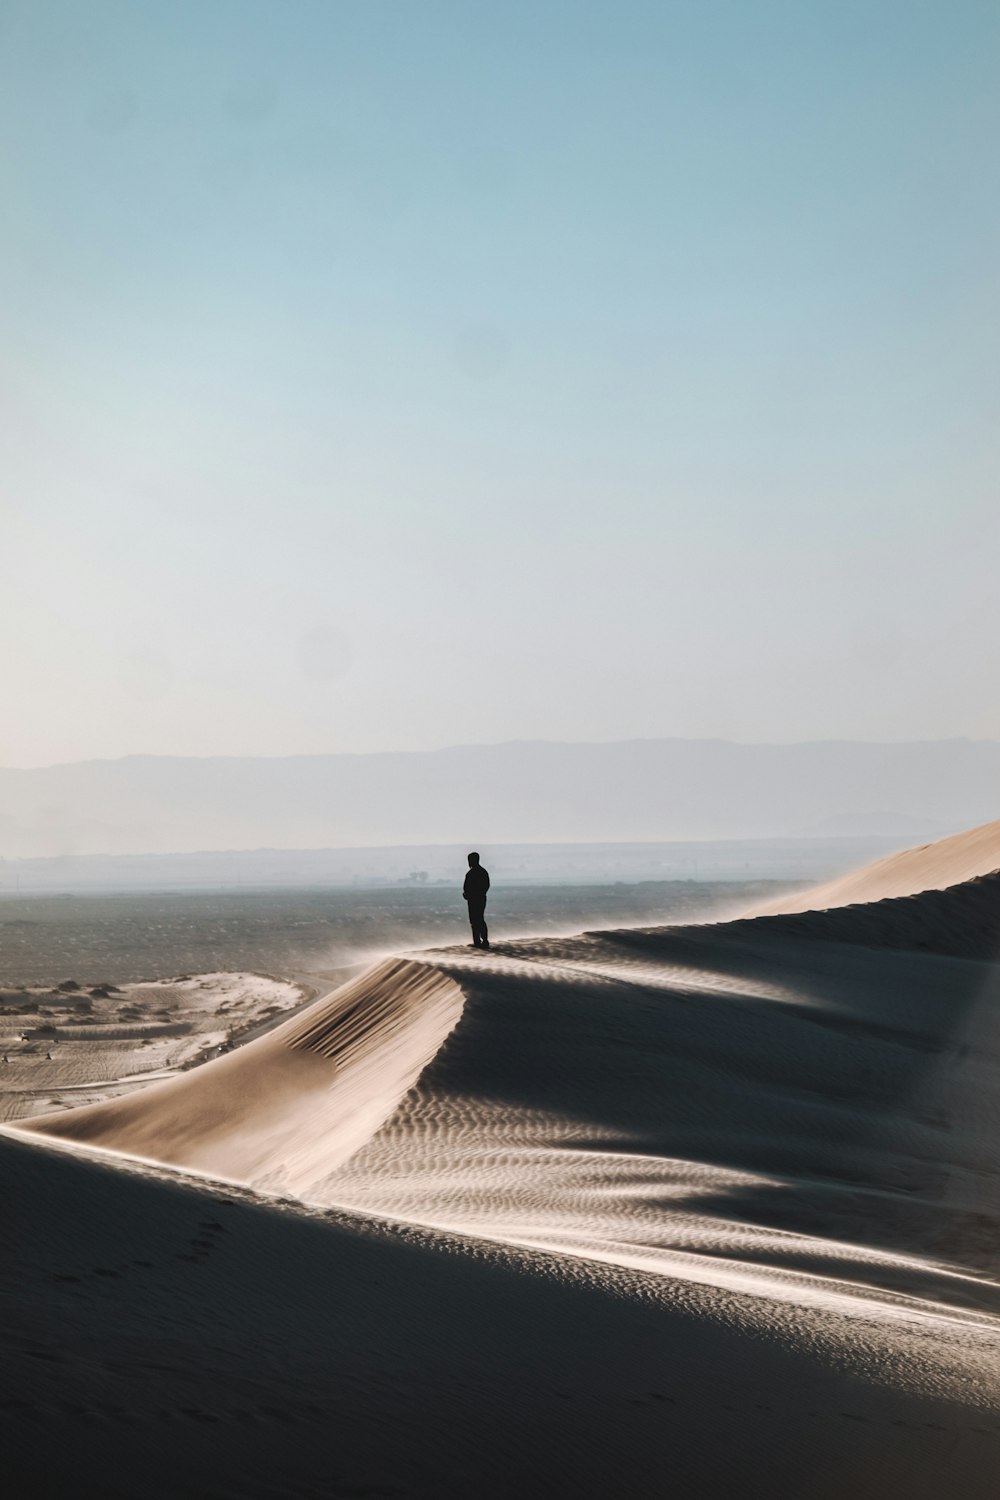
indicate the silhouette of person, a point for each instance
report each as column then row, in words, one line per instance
column 477, row 883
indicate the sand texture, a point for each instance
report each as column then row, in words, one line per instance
column 699, row 1211
column 288, row 1106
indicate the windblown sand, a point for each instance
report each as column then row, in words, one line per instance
column 929, row 867
column 694, row 1211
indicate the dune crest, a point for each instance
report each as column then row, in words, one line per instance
column 960, row 921
column 928, row 867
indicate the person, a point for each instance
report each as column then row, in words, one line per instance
column 477, row 883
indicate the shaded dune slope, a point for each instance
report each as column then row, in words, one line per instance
column 950, row 861
column 178, row 1338
column 962, row 921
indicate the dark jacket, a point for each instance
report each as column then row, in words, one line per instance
column 477, row 883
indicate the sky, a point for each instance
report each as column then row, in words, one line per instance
column 383, row 375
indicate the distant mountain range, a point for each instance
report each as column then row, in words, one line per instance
column 522, row 792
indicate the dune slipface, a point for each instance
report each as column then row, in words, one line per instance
column 282, row 1110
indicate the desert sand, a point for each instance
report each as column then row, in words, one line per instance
column 703, row 1210
column 929, row 867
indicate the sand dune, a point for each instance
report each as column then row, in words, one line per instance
column 929, row 867
column 961, row 921
column 288, row 1106
column 732, row 1103
column 763, row 1155
column 804, row 1095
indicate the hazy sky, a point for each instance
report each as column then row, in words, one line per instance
column 392, row 375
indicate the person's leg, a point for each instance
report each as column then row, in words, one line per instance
column 484, row 936
column 475, row 917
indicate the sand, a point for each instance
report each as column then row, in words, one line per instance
column 699, row 1211
column 929, row 867
column 285, row 1108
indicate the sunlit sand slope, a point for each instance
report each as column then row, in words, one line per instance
column 928, row 867
column 283, row 1109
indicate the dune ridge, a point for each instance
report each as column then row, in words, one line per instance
column 947, row 862
column 961, row 921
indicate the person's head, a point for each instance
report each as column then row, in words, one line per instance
column 473, row 860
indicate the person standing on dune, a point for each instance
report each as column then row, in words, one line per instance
column 477, row 883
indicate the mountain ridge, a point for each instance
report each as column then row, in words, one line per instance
column 517, row 743
column 518, row 792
